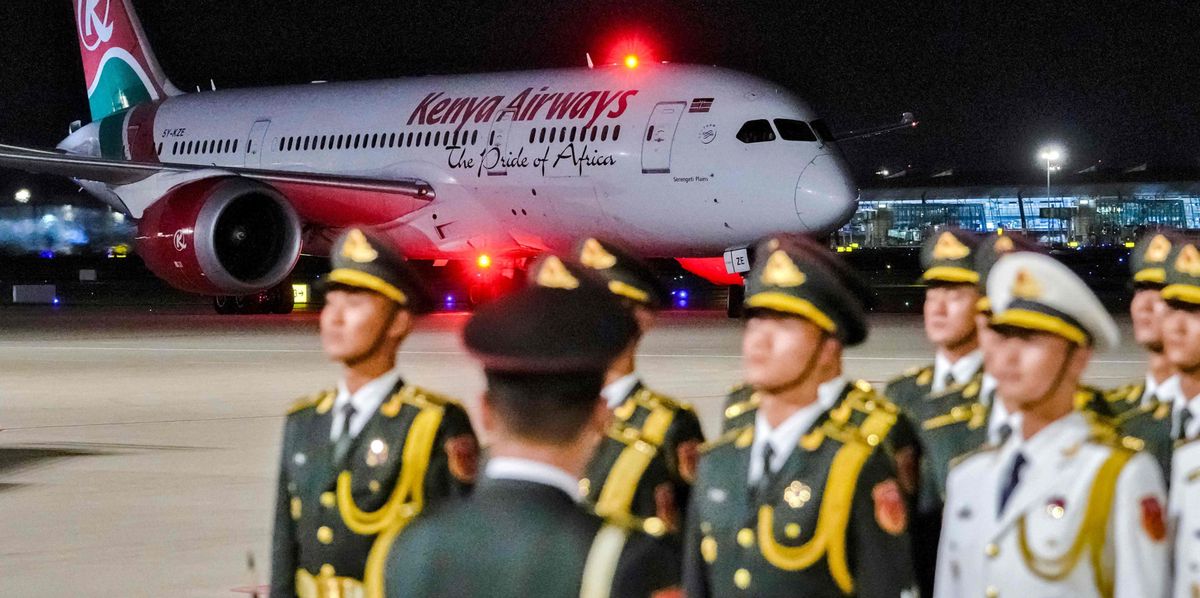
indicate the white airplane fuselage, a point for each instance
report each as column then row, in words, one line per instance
column 522, row 162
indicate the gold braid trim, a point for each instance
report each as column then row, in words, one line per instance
column 1092, row 533
column 405, row 502
column 616, row 497
column 830, row 535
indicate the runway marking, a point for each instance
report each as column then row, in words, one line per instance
column 403, row 352
column 139, row 423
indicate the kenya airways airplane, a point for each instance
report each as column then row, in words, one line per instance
column 230, row 187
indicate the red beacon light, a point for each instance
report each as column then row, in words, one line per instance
column 631, row 61
column 484, row 261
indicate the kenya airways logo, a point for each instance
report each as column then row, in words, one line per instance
column 438, row 109
column 94, row 28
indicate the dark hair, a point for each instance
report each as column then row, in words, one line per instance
column 545, row 408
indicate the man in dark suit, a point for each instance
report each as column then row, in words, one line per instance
column 360, row 461
column 524, row 532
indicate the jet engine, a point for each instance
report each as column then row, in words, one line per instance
column 221, row 236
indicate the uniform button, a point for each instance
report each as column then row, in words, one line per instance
column 745, row 538
column 324, row 535
column 296, row 508
column 374, row 486
column 992, row 550
column 792, row 530
column 328, row 500
column 741, row 579
column 654, row 526
column 873, row 439
column 327, row 570
column 992, row 592
column 708, row 549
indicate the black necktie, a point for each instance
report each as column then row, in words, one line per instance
column 764, row 482
column 1003, row 432
column 342, row 444
column 1014, row 478
column 1185, row 421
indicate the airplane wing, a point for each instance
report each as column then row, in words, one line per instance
column 123, row 172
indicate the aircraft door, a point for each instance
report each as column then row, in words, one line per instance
column 256, row 143
column 660, row 134
column 498, row 141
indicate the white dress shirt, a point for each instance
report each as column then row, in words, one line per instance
column 526, row 470
column 960, row 371
column 366, row 401
column 784, row 437
column 615, row 393
column 1156, row 391
column 1191, row 404
column 998, row 414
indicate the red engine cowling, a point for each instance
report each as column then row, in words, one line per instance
column 220, row 236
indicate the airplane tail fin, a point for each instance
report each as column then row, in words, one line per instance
column 118, row 65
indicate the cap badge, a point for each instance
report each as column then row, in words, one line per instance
column 1003, row 245
column 554, row 275
column 948, row 247
column 1188, row 261
column 358, row 249
column 1026, row 286
column 781, row 271
column 595, row 256
column 1158, row 249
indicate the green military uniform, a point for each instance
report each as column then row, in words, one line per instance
column 740, row 405
column 831, row 521
column 334, row 517
column 1148, row 267
column 646, row 464
column 651, row 448
column 947, row 259
column 516, row 537
column 1154, row 423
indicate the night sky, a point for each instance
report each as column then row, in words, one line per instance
column 990, row 81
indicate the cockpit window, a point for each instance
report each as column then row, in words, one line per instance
column 756, row 131
column 794, row 130
column 822, row 130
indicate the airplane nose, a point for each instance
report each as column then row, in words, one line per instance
column 826, row 197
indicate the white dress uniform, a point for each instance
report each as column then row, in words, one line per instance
column 1042, row 543
column 1185, row 512
column 1068, row 511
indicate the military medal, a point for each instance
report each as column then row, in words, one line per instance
column 1057, row 507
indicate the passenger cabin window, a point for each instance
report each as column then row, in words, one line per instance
column 794, row 130
column 756, row 131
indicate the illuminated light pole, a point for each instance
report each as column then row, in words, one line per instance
column 1050, row 154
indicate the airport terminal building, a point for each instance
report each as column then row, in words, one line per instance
column 1083, row 209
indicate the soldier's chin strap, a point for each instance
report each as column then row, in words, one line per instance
column 380, row 338
column 1062, row 371
column 806, row 372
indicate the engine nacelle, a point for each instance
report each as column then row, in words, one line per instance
column 221, row 236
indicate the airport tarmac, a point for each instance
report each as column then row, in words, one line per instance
column 139, row 448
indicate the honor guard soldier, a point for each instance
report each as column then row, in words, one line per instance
column 360, row 461
column 545, row 350
column 950, row 306
column 1062, row 507
column 951, row 297
column 968, row 417
column 1148, row 262
column 802, row 501
column 1185, row 512
column 647, row 426
column 1163, row 424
